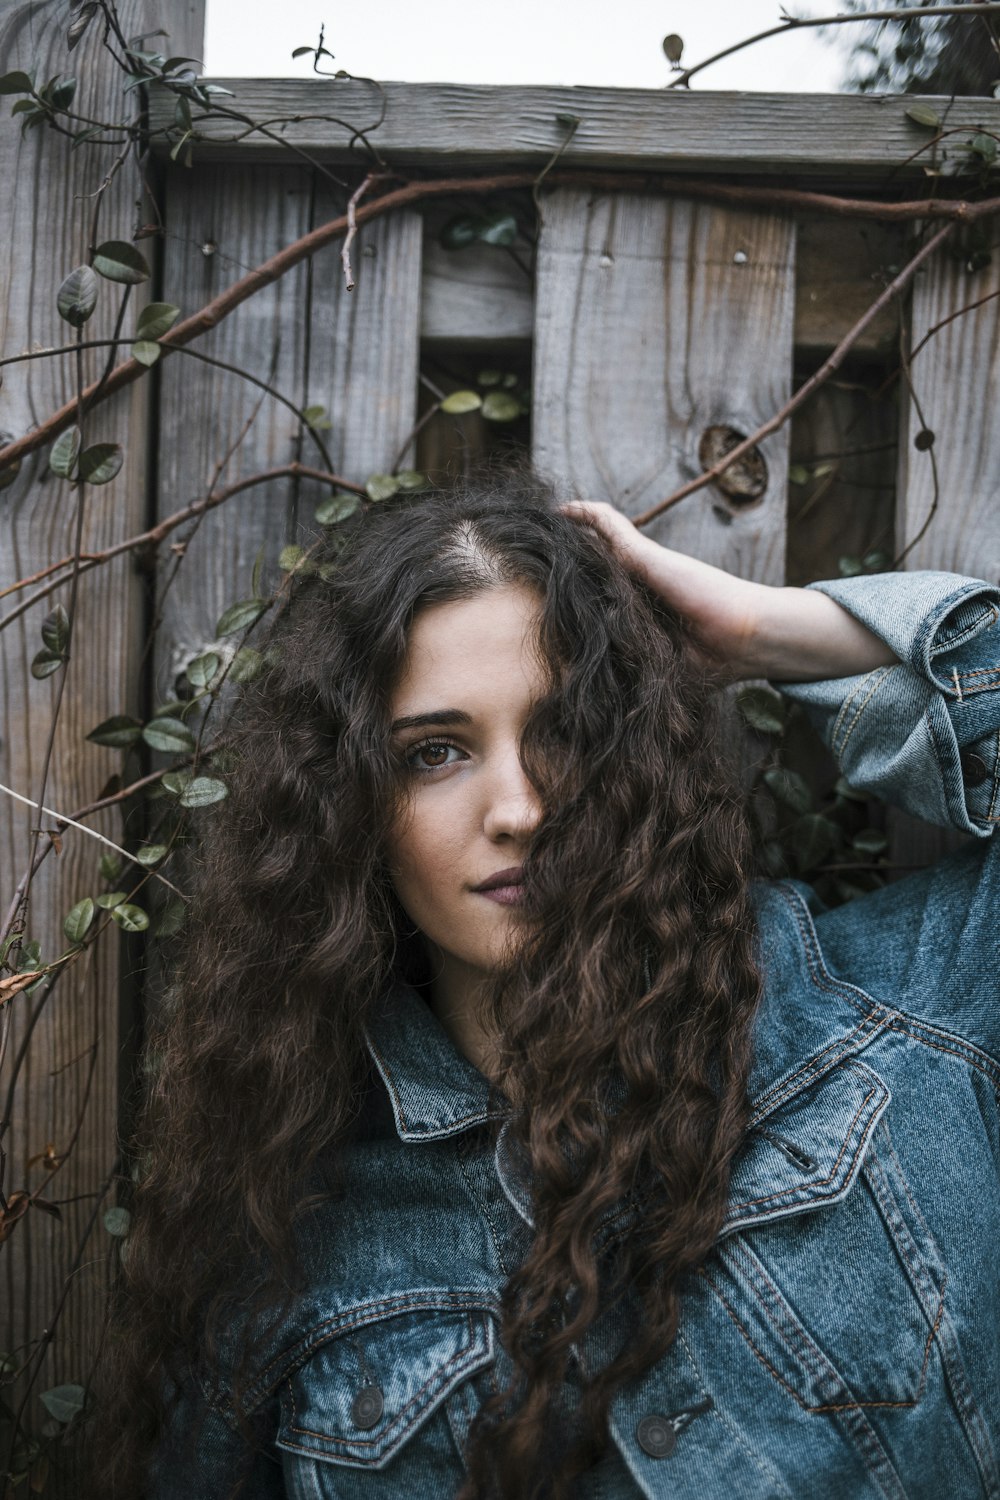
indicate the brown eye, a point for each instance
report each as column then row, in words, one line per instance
column 431, row 755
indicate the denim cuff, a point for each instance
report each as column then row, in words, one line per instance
column 923, row 735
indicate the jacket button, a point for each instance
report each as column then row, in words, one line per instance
column 656, row 1436
column 367, row 1406
column 974, row 770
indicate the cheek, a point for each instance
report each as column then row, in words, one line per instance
column 422, row 854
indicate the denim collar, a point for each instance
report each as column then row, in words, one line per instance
column 434, row 1090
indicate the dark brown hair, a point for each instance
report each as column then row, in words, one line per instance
column 625, row 1015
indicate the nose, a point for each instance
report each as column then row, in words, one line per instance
column 512, row 808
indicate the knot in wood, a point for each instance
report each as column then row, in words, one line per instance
column 743, row 482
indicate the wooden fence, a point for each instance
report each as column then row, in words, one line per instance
column 648, row 314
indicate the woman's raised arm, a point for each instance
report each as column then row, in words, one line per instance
column 745, row 629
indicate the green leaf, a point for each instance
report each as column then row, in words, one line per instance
column 762, row 710
column 61, row 94
column 64, row 452
column 255, row 576
column 813, row 838
column 336, row 507
column 241, row 616
column 146, row 352
column 200, row 670
column 489, row 377
column 119, row 732
column 246, row 665
column 100, row 462
column 151, row 854
column 568, row 121
column 412, row 479
column 460, row 402
column 774, row 860
column 923, row 114
column 174, row 782
column 110, row 867
column 849, row 567
column 171, row 918
column 789, row 788
column 842, row 788
column 78, row 919
column 203, row 791
column 55, row 630
column 501, row 406
column 63, row 1402
column 289, row 557
column 77, row 297
column 316, row 419
column 460, row 231
column 45, row 663
column 117, row 260
column 381, row 486
column 16, row 83
column 673, row 46
column 876, row 562
column 870, row 841
column 110, row 899
column 117, row 1221
column 156, row 319
column 499, row 229
column 130, row 918
column 168, row 735
column 798, row 474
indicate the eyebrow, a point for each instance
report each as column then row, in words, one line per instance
column 437, row 718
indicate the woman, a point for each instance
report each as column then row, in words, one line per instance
column 501, row 1140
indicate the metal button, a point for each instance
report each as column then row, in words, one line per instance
column 656, row 1436
column 974, row 771
column 367, row 1406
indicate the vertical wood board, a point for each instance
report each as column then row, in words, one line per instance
column 655, row 320
column 47, row 220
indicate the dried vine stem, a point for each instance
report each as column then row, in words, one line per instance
column 271, row 270
column 352, row 228
column 797, row 23
column 162, row 529
column 826, row 369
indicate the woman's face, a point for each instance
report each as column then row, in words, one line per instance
column 469, row 679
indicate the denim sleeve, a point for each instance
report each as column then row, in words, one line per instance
column 923, row 735
column 203, row 1456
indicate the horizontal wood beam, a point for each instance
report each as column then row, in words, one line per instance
column 446, row 125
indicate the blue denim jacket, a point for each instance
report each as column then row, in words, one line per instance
column 842, row 1339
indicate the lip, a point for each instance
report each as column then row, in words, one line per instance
column 505, row 887
column 502, row 880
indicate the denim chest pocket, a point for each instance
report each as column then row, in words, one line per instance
column 381, row 1410
column 826, row 1268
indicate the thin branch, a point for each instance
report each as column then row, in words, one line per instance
column 352, row 228
column 163, row 528
column 67, row 822
column 301, row 249
column 897, row 285
column 796, row 23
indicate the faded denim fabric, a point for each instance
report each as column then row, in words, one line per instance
column 842, row 1338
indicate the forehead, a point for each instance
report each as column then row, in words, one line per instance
column 474, row 647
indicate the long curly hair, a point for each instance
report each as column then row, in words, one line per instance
column 624, row 1015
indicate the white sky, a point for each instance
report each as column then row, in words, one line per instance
column 612, row 43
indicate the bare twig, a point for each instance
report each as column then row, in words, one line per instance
column 797, row 23
column 897, row 285
column 352, row 228
column 271, row 270
column 162, row 529
column 67, row 822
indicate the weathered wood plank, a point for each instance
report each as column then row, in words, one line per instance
column 446, row 125
column 47, row 213
column 354, row 353
column 956, row 380
column 221, row 220
column 841, row 267
column 480, row 293
column 654, row 321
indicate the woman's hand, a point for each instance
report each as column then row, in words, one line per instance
column 744, row 629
